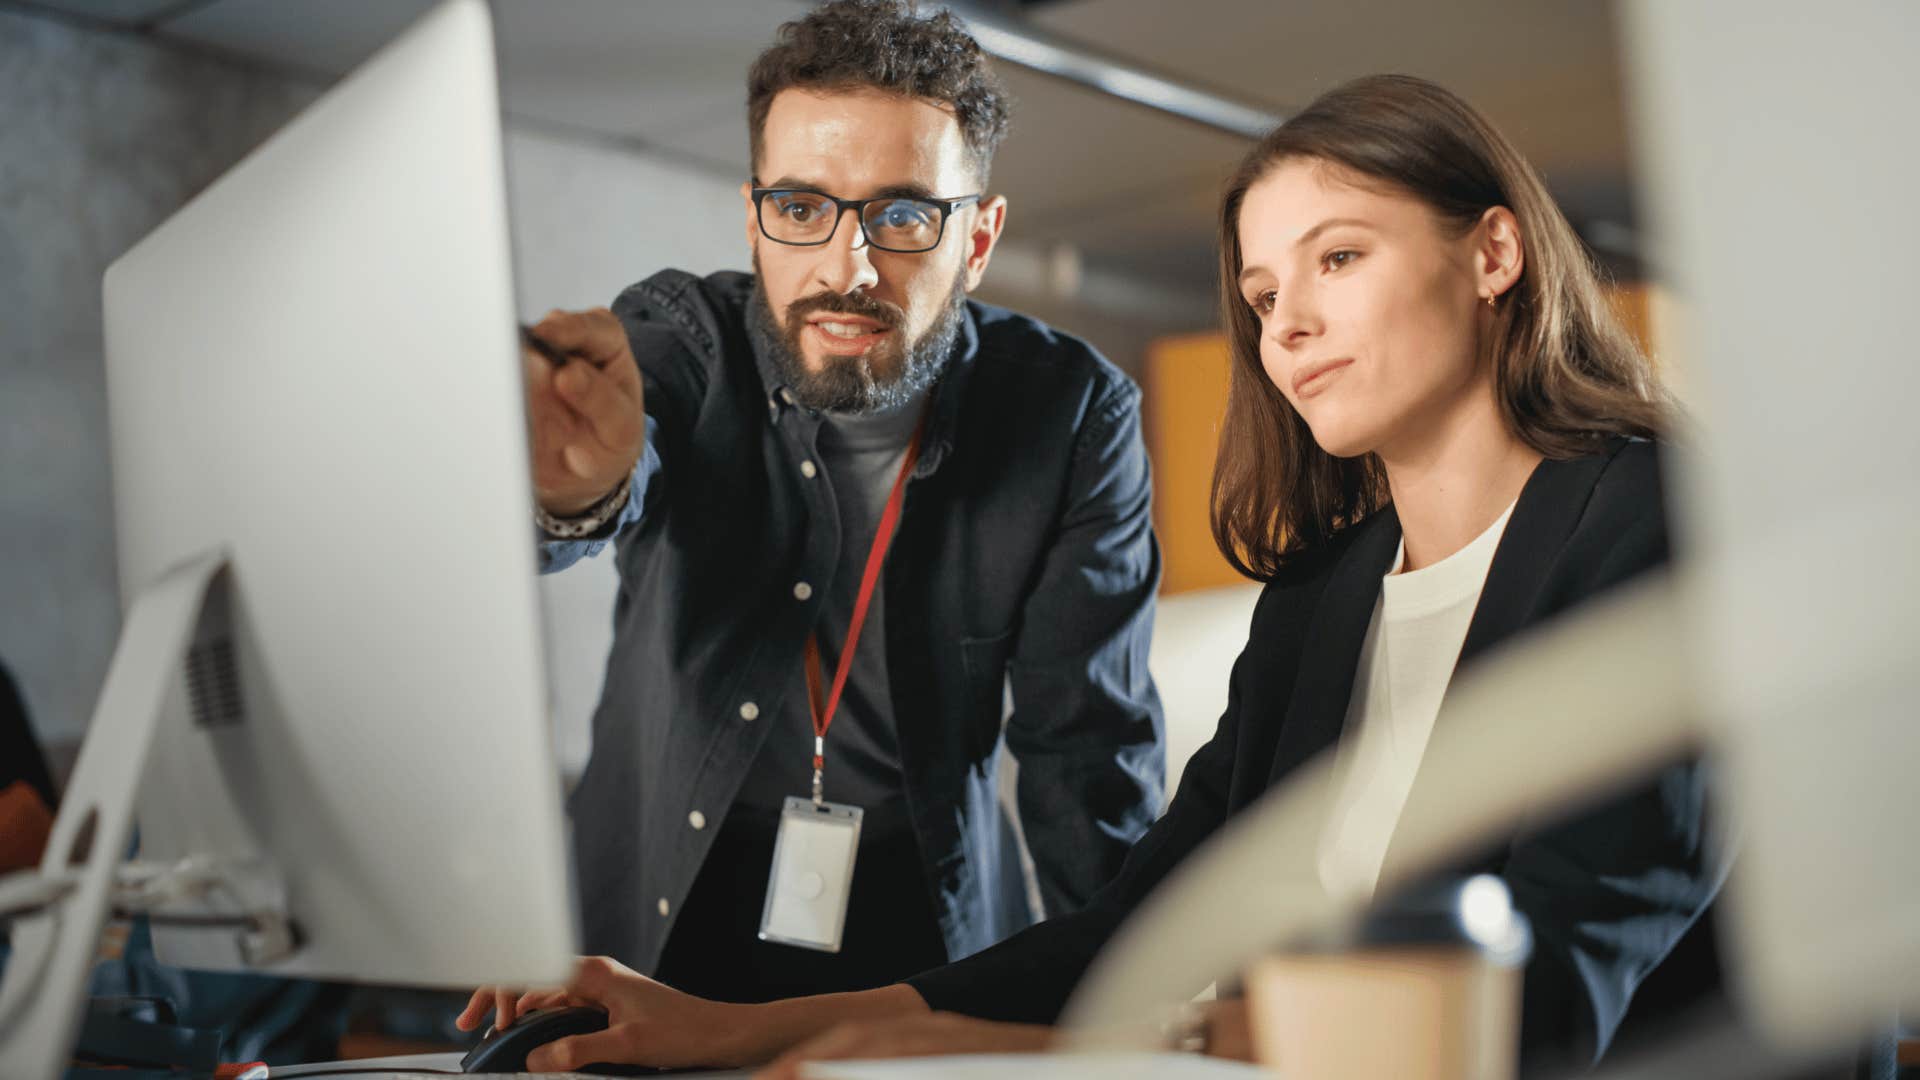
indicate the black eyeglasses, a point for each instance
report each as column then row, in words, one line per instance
column 890, row 223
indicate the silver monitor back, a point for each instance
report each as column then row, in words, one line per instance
column 1779, row 161
column 313, row 365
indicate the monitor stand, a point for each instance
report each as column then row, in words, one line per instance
column 67, row 902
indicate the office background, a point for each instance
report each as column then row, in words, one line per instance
column 626, row 143
column 625, row 147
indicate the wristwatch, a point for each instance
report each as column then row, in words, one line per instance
column 587, row 523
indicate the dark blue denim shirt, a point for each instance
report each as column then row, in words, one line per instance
column 1025, row 561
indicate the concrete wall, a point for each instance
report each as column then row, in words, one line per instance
column 103, row 136
column 106, row 134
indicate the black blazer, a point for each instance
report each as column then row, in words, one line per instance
column 1609, row 893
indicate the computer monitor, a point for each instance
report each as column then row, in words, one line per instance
column 1777, row 171
column 317, row 411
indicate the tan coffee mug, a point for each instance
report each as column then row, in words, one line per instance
column 1409, row 1012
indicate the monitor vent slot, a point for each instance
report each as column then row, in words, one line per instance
column 213, row 683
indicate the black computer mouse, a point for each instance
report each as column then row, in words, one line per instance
column 506, row 1051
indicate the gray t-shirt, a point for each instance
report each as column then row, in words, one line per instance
column 860, row 457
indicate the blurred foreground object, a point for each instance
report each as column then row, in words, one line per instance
column 1778, row 164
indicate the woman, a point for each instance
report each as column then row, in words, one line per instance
column 1437, row 436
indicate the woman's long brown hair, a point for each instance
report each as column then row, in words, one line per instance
column 1567, row 374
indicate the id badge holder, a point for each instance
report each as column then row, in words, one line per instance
column 812, row 874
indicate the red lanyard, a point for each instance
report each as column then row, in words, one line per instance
column 876, row 557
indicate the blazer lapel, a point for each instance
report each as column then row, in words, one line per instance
column 1317, row 709
column 1543, row 520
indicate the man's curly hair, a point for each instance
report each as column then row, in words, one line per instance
column 884, row 45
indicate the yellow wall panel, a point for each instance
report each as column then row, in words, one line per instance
column 1186, row 396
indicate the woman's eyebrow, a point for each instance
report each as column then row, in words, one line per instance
column 1330, row 223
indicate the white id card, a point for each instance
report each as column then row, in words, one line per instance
column 812, row 874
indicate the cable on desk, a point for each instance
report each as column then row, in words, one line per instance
column 379, row 1073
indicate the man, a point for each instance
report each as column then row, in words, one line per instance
column 849, row 506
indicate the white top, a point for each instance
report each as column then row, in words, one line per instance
column 1419, row 623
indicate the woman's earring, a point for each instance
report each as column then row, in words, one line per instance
column 1489, row 299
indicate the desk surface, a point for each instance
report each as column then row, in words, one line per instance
column 427, row 1066
column 1139, row 1066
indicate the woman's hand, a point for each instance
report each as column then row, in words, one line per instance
column 648, row 1023
column 911, row 1036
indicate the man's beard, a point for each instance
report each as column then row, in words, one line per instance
column 885, row 377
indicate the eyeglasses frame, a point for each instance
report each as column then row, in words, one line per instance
column 948, row 207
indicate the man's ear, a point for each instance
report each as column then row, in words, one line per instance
column 988, row 218
column 753, row 216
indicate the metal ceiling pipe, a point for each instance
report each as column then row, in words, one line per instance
column 1019, row 42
